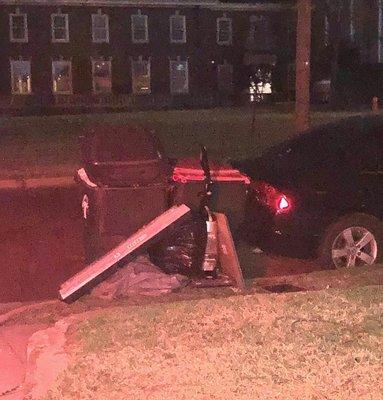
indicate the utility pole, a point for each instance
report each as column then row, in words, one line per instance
column 302, row 75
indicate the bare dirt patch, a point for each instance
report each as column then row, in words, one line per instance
column 325, row 279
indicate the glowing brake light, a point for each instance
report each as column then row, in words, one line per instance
column 272, row 198
column 283, row 204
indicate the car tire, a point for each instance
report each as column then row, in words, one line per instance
column 337, row 238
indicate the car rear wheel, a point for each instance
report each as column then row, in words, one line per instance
column 353, row 241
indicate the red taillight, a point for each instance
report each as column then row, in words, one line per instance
column 283, row 204
column 272, row 197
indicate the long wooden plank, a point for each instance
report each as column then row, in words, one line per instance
column 96, row 271
column 227, row 253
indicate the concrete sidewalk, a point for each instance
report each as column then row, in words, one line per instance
column 13, row 359
column 38, row 176
column 31, row 358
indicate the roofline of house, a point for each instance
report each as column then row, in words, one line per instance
column 211, row 4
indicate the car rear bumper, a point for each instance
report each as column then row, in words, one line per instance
column 292, row 234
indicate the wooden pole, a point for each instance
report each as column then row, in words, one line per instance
column 302, row 77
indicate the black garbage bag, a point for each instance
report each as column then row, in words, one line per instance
column 182, row 252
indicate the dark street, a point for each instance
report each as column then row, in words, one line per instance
column 40, row 242
column 41, row 245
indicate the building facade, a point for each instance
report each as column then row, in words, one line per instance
column 348, row 47
column 137, row 54
column 357, row 23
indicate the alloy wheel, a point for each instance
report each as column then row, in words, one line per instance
column 354, row 246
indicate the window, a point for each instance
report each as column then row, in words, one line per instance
column 18, row 28
column 102, row 76
column 225, row 77
column 140, row 76
column 21, row 77
column 100, row 28
column 179, row 79
column 139, row 28
column 60, row 27
column 177, row 29
column 260, row 83
column 62, row 77
column 260, row 36
column 224, row 32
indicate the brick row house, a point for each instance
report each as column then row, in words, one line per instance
column 126, row 53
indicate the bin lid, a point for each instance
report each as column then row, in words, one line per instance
column 187, row 170
column 120, row 144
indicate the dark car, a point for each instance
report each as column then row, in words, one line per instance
column 321, row 193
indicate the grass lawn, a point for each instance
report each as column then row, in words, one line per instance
column 306, row 346
column 29, row 145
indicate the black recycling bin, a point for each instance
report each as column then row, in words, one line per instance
column 124, row 184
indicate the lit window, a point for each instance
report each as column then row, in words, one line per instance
column 139, row 28
column 62, row 77
column 18, row 28
column 140, row 76
column 21, row 77
column 260, row 85
column 225, row 77
column 60, row 27
column 100, row 28
column 177, row 29
column 224, row 31
column 102, row 76
column 179, row 79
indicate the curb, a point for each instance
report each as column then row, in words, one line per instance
column 26, row 307
column 36, row 183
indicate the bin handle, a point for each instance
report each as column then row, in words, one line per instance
column 85, row 178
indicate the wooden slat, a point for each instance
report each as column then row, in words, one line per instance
column 227, row 253
column 96, row 271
